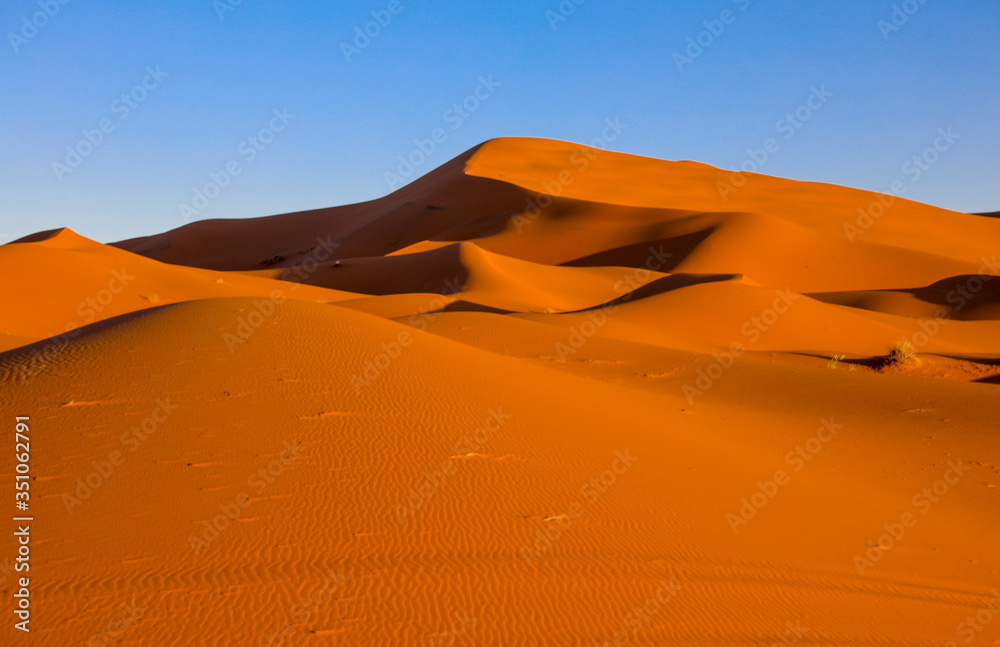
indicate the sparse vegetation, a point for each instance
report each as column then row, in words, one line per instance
column 153, row 298
column 901, row 351
column 835, row 361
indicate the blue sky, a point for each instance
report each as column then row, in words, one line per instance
column 170, row 93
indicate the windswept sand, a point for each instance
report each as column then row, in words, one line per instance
column 545, row 395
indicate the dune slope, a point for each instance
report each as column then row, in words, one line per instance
column 445, row 488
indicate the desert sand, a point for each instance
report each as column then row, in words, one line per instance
column 544, row 395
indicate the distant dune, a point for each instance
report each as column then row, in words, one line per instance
column 544, row 395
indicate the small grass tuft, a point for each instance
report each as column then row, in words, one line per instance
column 901, row 351
column 835, row 361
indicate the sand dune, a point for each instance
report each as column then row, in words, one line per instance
column 544, row 395
column 74, row 281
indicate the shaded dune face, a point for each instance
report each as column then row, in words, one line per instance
column 544, row 395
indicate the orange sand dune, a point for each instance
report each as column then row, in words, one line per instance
column 960, row 297
column 503, row 186
column 480, row 276
column 537, row 165
column 74, row 281
column 520, row 536
column 444, row 202
column 719, row 313
column 544, row 395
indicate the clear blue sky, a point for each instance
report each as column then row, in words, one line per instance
column 228, row 66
